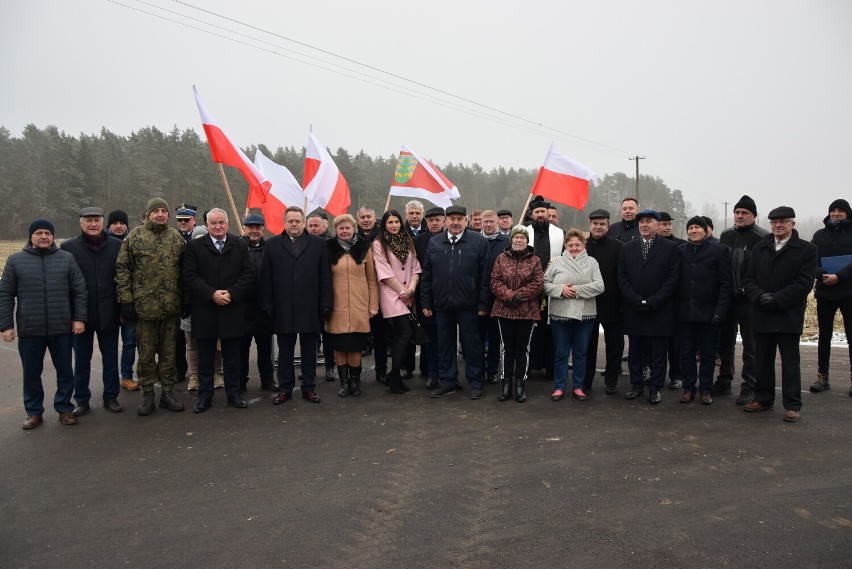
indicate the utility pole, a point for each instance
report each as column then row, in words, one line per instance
column 637, row 158
column 726, row 214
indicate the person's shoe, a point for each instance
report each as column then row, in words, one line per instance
column 129, row 385
column 238, row 402
column 405, row 374
column 281, row 398
column 67, row 419
column 311, row 396
column 687, row 396
column 557, row 395
column 579, row 395
column 112, row 406
column 706, row 399
column 382, row 378
column 506, row 391
column 368, row 351
column 202, row 405
column 268, row 385
column 610, row 390
column 721, row 387
column 521, row 392
column 432, row 383
column 168, row 401
column 791, row 416
column 442, row 391
column 192, row 384
column 491, row 377
column 355, row 380
column 476, row 394
column 746, row 395
column 218, row 381
column 821, row 383
column 329, row 374
column 32, row 422
column 676, row 384
column 756, row 407
column 147, row 405
column 654, row 398
column 343, row 372
column 634, row 393
column 81, row 409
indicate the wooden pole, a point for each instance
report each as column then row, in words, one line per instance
column 387, row 203
column 231, row 200
column 524, row 211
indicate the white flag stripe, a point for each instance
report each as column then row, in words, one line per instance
column 452, row 192
column 558, row 162
column 285, row 187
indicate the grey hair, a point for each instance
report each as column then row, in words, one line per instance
column 414, row 204
column 218, row 210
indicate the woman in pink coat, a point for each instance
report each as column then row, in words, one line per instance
column 398, row 273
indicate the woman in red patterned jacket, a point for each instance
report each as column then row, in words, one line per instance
column 516, row 282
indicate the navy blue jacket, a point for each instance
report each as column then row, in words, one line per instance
column 99, row 271
column 654, row 280
column 454, row 276
column 704, row 286
column 833, row 241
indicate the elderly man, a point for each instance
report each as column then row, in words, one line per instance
column 647, row 278
column 95, row 252
column 295, row 293
column 455, row 288
column 317, row 225
column 834, row 284
column 51, row 308
column 186, row 217
column 414, row 217
column 675, row 374
column 779, row 276
column 219, row 278
column 505, row 221
column 628, row 228
column 368, row 229
column 147, row 277
column 429, row 359
column 489, row 329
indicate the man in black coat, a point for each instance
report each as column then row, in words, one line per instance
column 295, row 289
column 834, row 284
column 455, row 289
column 429, row 361
column 489, row 330
column 368, row 229
column 647, row 278
column 779, row 277
column 675, row 374
column 605, row 250
column 628, row 228
column 95, row 253
column 703, row 295
column 218, row 278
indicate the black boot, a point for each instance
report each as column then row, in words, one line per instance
column 343, row 372
column 506, row 393
column 395, row 382
column 147, row 406
column 168, row 401
column 521, row 391
column 355, row 380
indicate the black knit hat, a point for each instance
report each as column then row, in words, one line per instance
column 117, row 215
column 697, row 220
column 841, row 204
column 709, row 221
column 747, row 203
column 42, row 223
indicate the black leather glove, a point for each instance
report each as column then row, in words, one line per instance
column 643, row 306
column 186, row 311
column 767, row 300
column 516, row 301
column 325, row 312
column 717, row 321
column 128, row 311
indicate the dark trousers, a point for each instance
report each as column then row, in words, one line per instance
column 408, row 359
column 739, row 313
column 128, row 349
column 700, row 338
column 674, row 357
column 791, row 375
column 489, row 335
column 286, row 354
column 515, row 338
column 826, row 309
column 468, row 332
column 207, row 365
column 399, row 335
column 264, row 356
column 83, row 348
column 181, row 365
column 614, row 339
column 650, row 350
column 31, row 350
column 541, row 351
column 433, row 364
column 380, row 346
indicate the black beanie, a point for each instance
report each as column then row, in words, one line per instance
column 697, row 220
column 841, row 204
column 117, row 215
column 42, row 223
column 747, row 203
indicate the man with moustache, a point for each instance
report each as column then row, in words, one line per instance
column 628, row 228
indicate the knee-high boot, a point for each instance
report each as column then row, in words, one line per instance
column 355, row 380
column 343, row 372
column 521, row 391
column 506, row 392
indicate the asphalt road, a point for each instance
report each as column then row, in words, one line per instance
column 408, row 481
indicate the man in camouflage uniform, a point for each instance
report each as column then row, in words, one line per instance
column 147, row 275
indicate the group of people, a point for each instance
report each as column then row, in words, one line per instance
column 515, row 297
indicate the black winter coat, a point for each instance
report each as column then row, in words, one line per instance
column 454, row 276
column 624, row 231
column 832, row 241
column 606, row 251
column 495, row 247
column 256, row 322
column 741, row 242
column 50, row 292
column 296, row 289
column 704, row 285
column 788, row 275
column 99, row 271
column 654, row 280
column 205, row 271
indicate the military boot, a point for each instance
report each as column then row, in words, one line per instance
column 343, row 372
column 821, row 383
column 506, row 392
column 521, row 391
column 147, row 406
column 355, row 380
column 168, row 401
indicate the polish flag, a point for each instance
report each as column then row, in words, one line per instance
column 324, row 184
column 418, row 178
column 285, row 191
column 564, row 180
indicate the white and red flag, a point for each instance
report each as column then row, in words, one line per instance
column 285, row 191
column 564, row 180
column 225, row 152
column 418, row 178
column 325, row 186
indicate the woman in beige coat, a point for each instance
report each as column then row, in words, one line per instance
column 356, row 300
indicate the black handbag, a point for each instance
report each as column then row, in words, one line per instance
column 418, row 334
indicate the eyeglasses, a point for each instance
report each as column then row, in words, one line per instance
column 780, row 221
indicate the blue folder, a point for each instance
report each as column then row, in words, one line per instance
column 833, row 265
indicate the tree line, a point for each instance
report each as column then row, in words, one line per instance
column 48, row 173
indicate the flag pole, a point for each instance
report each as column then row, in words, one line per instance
column 524, row 211
column 387, row 203
column 231, row 198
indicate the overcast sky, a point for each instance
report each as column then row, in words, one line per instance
column 722, row 98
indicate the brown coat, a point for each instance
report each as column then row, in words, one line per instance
column 353, row 282
column 517, row 273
